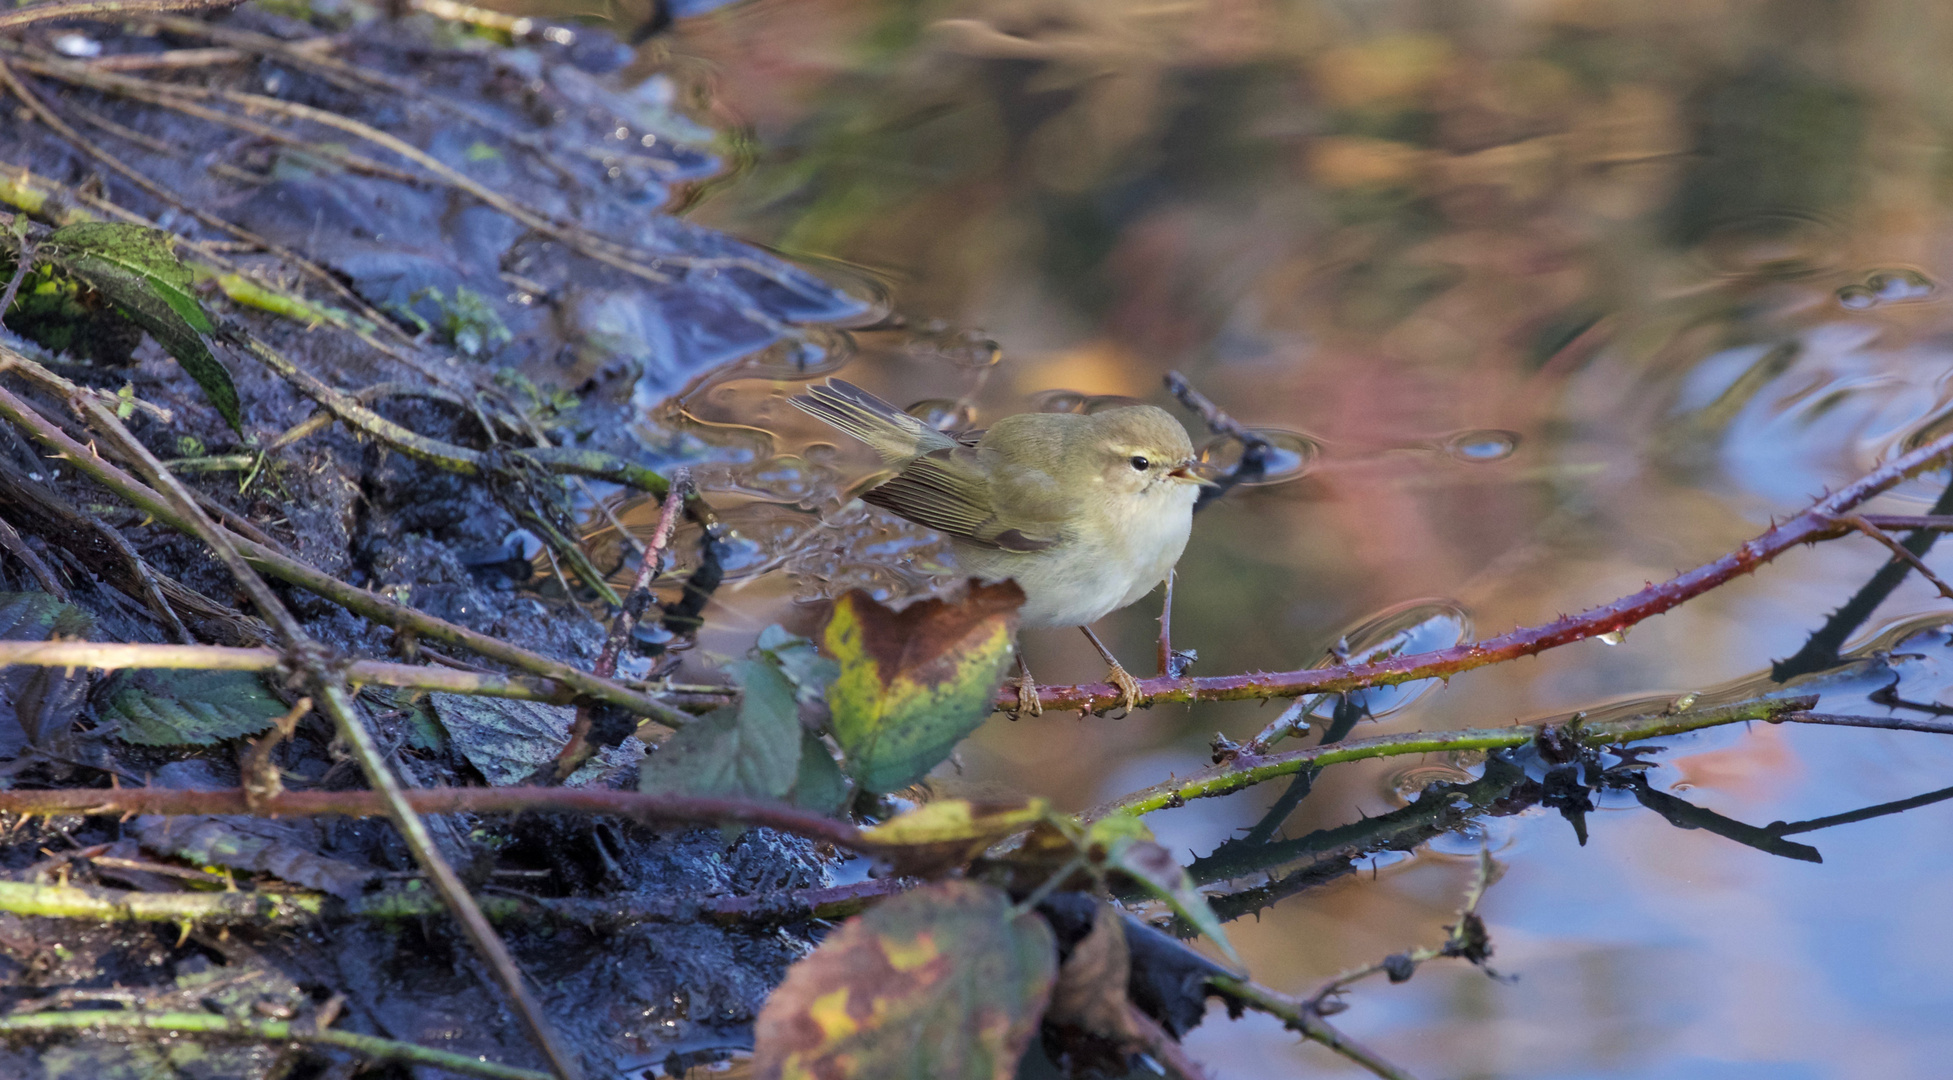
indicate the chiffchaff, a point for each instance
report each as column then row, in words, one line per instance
column 1086, row 512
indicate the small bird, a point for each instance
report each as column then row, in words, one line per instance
column 1087, row 512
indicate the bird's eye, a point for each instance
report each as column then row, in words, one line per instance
column 1139, row 462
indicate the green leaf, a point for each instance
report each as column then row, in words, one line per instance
column 36, row 616
column 799, row 661
column 752, row 749
column 914, row 682
column 174, row 707
column 134, row 267
column 1126, row 845
column 820, row 787
column 944, row 982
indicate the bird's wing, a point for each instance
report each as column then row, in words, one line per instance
column 894, row 434
column 948, row 490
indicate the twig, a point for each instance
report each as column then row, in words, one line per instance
column 1284, row 725
column 635, row 805
column 1300, row 1018
column 1890, row 723
column 304, row 265
column 1820, row 522
column 1899, row 551
column 329, row 690
column 1217, row 421
column 107, row 656
column 1246, row 770
column 170, row 59
column 370, row 1047
column 1164, row 1048
column 1934, row 522
column 457, row 459
column 1791, row 828
column 359, row 601
column 23, row 263
column 1820, row 649
column 152, row 591
column 114, row 10
column 118, row 906
column 1253, row 464
column 233, row 907
column 580, row 747
column 16, row 546
column 1402, row 965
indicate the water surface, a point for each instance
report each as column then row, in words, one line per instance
column 1547, row 301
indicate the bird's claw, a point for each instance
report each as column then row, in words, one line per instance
column 1027, row 697
column 1127, row 686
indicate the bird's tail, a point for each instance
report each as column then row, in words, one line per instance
column 895, row 435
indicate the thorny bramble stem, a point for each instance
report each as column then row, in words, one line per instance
column 1820, row 522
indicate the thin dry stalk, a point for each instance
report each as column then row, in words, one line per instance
column 112, row 10
column 359, row 601
column 329, row 690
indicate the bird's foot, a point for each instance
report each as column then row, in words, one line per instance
column 1127, row 686
column 1027, row 697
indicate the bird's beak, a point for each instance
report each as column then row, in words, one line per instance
column 1186, row 475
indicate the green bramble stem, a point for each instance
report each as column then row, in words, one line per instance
column 1246, row 771
column 369, row 1047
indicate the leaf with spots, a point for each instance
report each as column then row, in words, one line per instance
column 914, row 682
column 948, row 833
column 945, row 982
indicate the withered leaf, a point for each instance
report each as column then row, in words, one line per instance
column 38, row 705
column 914, row 682
column 1091, row 989
column 943, row 982
column 506, row 740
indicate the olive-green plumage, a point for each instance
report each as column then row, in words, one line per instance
column 1087, row 512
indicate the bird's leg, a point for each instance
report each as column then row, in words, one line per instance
column 1027, row 691
column 1116, row 674
column 1166, row 628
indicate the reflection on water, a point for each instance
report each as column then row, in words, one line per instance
column 1566, row 297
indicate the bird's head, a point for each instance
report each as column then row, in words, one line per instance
column 1140, row 449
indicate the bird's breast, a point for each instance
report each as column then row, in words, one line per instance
column 1095, row 571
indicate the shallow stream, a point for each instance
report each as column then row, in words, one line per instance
column 1546, row 301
